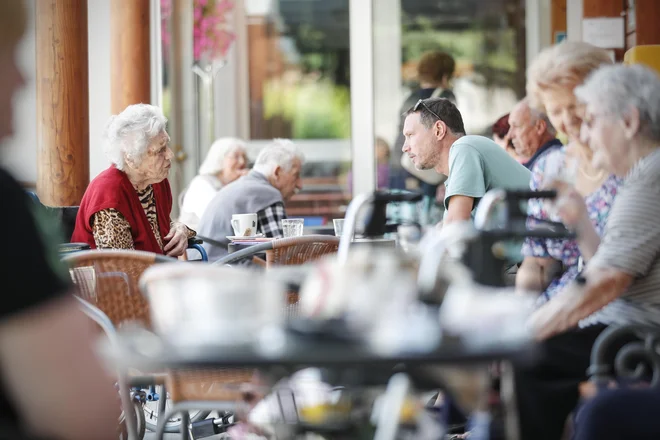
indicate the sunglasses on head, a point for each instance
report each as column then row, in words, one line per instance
column 420, row 104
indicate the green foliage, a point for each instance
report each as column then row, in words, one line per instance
column 316, row 108
column 463, row 46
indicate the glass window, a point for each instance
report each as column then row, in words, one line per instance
column 484, row 42
column 299, row 71
column 299, row 88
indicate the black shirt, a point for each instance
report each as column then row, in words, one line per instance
column 30, row 270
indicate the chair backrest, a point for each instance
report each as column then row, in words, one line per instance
column 64, row 215
column 109, row 279
column 301, row 250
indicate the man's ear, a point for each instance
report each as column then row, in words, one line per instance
column 277, row 172
column 540, row 126
column 439, row 130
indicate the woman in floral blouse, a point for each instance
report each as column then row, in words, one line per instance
column 549, row 264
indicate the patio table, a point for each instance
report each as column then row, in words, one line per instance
column 370, row 367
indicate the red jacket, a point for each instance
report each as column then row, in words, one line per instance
column 112, row 189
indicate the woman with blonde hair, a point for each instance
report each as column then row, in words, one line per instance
column 225, row 162
column 547, row 392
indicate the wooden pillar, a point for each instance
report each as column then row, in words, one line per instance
column 130, row 48
column 62, row 101
column 557, row 20
column 642, row 23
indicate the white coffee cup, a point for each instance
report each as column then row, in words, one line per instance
column 244, row 225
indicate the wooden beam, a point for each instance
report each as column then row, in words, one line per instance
column 130, row 48
column 62, row 101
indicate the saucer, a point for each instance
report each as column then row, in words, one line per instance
column 244, row 238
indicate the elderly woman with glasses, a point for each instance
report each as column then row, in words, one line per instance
column 225, row 162
column 128, row 205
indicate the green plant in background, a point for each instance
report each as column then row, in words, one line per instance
column 316, row 107
column 488, row 47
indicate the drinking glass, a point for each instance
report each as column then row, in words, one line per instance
column 338, row 223
column 292, row 227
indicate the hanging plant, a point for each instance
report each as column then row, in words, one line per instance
column 212, row 35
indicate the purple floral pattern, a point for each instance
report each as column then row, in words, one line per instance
column 598, row 204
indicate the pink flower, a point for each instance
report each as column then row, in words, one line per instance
column 212, row 37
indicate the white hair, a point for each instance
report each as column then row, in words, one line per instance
column 280, row 152
column 128, row 134
column 220, row 149
column 537, row 115
column 616, row 89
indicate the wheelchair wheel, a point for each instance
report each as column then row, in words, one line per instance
column 150, row 414
column 138, row 416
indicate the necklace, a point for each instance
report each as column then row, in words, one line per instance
column 585, row 159
column 593, row 177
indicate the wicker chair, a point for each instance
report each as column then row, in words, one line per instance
column 108, row 281
column 288, row 251
column 300, row 250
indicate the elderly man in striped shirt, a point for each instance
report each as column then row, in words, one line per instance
column 621, row 283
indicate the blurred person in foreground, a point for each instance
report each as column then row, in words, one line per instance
column 621, row 282
column 128, row 205
column 225, row 162
column 53, row 385
column 531, row 133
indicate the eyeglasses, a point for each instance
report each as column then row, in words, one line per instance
column 423, row 104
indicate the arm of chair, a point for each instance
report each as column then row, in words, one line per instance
column 626, row 352
column 196, row 243
column 245, row 253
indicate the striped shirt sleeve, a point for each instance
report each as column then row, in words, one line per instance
column 631, row 242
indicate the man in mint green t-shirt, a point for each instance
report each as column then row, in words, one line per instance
column 435, row 139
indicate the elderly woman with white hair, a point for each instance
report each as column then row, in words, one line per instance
column 128, row 205
column 621, row 282
column 225, row 162
column 263, row 191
